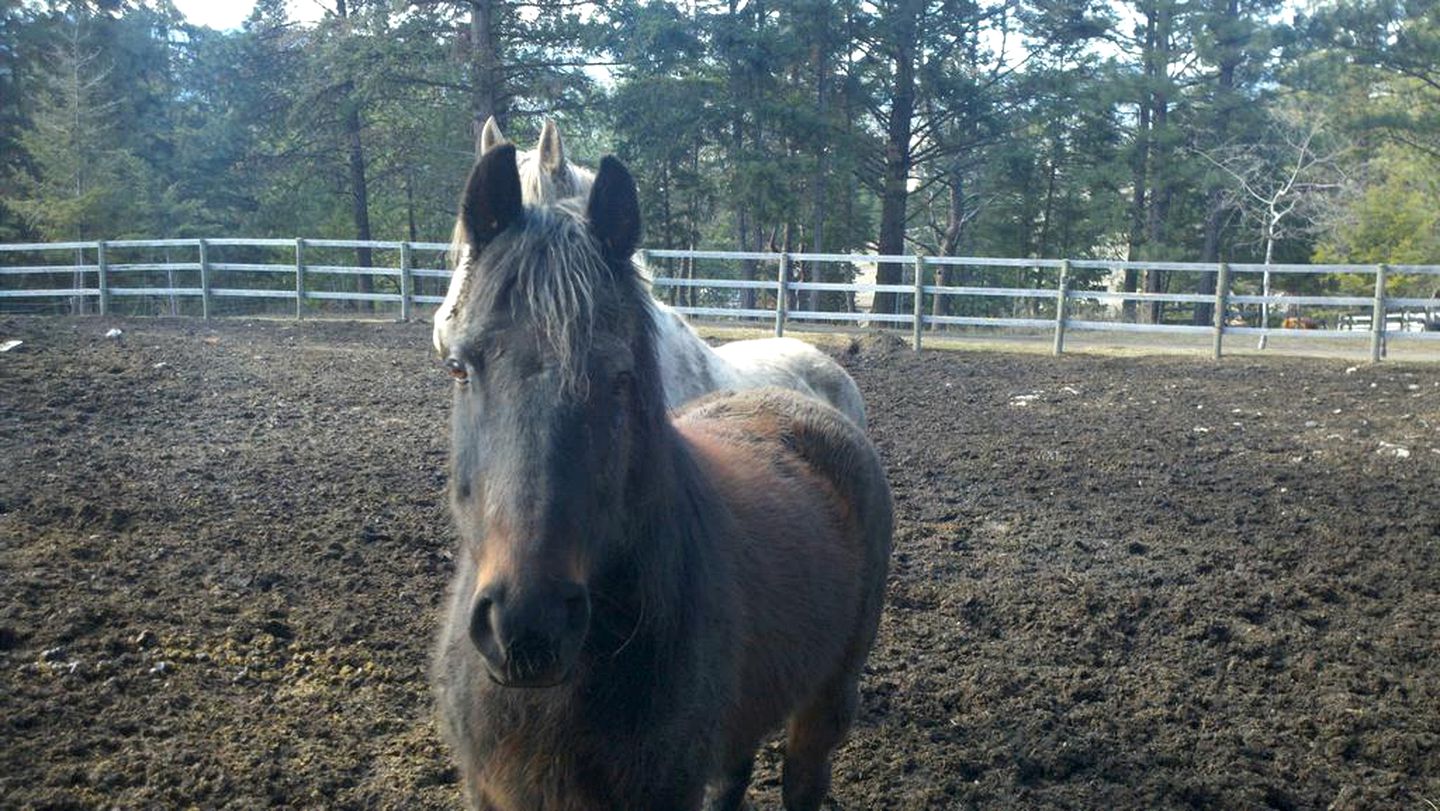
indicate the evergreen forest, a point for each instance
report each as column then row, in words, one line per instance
column 1185, row 130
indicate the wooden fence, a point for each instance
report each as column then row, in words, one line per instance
column 211, row 281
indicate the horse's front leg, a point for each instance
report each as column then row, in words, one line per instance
column 728, row 794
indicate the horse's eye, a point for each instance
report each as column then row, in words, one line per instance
column 622, row 382
column 457, row 370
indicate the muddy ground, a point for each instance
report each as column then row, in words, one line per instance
column 1118, row 583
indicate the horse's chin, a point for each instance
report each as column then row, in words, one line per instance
column 545, row 682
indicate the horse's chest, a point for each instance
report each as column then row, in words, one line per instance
column 571, row 777
column 523, row 771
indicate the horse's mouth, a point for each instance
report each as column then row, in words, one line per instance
column 528, row 675
column 531, row 683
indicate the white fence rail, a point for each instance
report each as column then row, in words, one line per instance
column 90, row 275
column 96, row 279
column 1379, row 325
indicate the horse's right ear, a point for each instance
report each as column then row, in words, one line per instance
column 614, row 210
column 492, row 196
column 551, row 149
column 490, row 136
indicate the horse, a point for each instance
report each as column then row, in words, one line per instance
column 641, row 596
column 1301, row 322
column 690, row 367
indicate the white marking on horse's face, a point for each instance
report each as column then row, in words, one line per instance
column 459, row 259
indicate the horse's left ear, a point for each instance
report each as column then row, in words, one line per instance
column 492, row 196
column 614, row 209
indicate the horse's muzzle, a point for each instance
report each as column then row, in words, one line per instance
column 530, row 637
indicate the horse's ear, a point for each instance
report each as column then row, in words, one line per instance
column 492, row 196
column 490, row 136
column 614, row 209
column 551, row 149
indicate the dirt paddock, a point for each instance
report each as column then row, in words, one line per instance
column 1132, row 583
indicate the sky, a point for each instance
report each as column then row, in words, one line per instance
column 223, row 14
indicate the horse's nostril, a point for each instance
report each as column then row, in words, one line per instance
column 482, row 630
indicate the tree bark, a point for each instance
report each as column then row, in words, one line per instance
column 895, row 191
column 1160, row 173
column 359, row 192
column 1216, row 205
column 820, row 58
column 1139, row 172
column 485, row 78
column 950, row 240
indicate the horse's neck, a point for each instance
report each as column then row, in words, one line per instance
column 670, row 515
column 688, row 366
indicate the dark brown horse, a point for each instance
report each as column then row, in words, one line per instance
column 640, row 597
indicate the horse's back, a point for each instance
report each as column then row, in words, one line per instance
column 793, row 364
column 813, row 524
column 776, row 424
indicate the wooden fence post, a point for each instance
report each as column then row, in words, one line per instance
column 781, row 288
column 1377, row 317
column 102, row 277
column 919, row 325
column 299, row 277
column 407, row 283
column 1061, row 305
column 1222, row 295
column 204, row 278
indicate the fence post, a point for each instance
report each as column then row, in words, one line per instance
column 102, row 278
column 204, row 278
column 299, row 277
column 1222, row 295
column 919, row 325
column 1061, row 305
column 1377, row 317
column 781, row 287
column 407, row 283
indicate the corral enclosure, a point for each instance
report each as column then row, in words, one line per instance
column 1118, row 582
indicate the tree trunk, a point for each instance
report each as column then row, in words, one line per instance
column 485, row 77
column 1224, row 110
column 1161, row 172
column 411, row 230
column 1210, row 254
column 359, row 194
column 355, row 161
column 820, row 58
column 895, row 191
column 950, row 240
column 1265, row 280
column 1139, row 177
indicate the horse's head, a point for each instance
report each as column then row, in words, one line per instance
column 556, row 393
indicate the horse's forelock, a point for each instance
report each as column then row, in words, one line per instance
column 552, row 268
column 543, row 187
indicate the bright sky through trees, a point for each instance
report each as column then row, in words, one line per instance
column 224, row 15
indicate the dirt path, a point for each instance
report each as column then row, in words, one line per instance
column 1119, row 582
